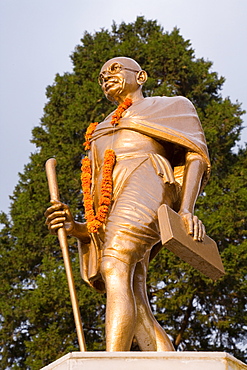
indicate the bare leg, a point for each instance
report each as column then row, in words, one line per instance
column 120, row 306
column 149, row 334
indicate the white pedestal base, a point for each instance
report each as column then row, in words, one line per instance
column 147, row 361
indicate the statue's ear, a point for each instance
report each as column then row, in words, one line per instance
column 141, row 77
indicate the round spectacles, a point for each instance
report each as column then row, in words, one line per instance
column 113, row 69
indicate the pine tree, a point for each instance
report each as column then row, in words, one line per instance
column 199, row 314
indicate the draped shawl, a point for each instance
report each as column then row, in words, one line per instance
column 168, row 120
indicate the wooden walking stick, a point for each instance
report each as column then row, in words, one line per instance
column 62, row 237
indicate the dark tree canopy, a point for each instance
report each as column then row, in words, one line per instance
column 199, row 314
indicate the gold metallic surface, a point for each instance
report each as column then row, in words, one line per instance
column 161, row 158
column 62, row 237
column 204, row 256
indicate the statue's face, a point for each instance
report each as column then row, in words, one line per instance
column 118, row 78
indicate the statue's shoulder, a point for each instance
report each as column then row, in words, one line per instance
column 181, row 102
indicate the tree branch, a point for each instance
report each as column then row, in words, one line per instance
column 184, row 323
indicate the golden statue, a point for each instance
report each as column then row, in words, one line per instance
column 158, row 156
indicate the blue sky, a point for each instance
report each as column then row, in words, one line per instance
column 38, row 36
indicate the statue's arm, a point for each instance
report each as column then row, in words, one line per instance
column 59, row 215
column 195, row 167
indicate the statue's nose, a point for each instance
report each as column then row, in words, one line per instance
column 106, row 77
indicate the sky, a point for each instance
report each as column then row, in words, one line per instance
column 37, row 38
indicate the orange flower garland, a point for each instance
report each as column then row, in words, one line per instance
column 119, row 111
column 95, row 221
column 90, row 130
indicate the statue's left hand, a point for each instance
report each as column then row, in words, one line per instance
column 193, row 225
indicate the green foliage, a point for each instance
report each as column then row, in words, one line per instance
column 199, row 314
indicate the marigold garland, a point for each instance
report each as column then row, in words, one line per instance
column 90, row 130
column 95, row 221
column 119, row 111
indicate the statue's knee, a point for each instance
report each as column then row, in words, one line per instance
column 108, row 266
column 111, row 267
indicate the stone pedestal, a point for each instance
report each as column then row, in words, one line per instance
column 147, row 361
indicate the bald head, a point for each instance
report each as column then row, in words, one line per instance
column 126, row 62
column 122, row 77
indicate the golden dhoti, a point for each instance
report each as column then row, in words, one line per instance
column 132, row 225
column 141, row 184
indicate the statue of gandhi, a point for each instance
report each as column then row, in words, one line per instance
column 160, row 158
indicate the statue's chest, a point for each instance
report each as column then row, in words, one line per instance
column 126, row 142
